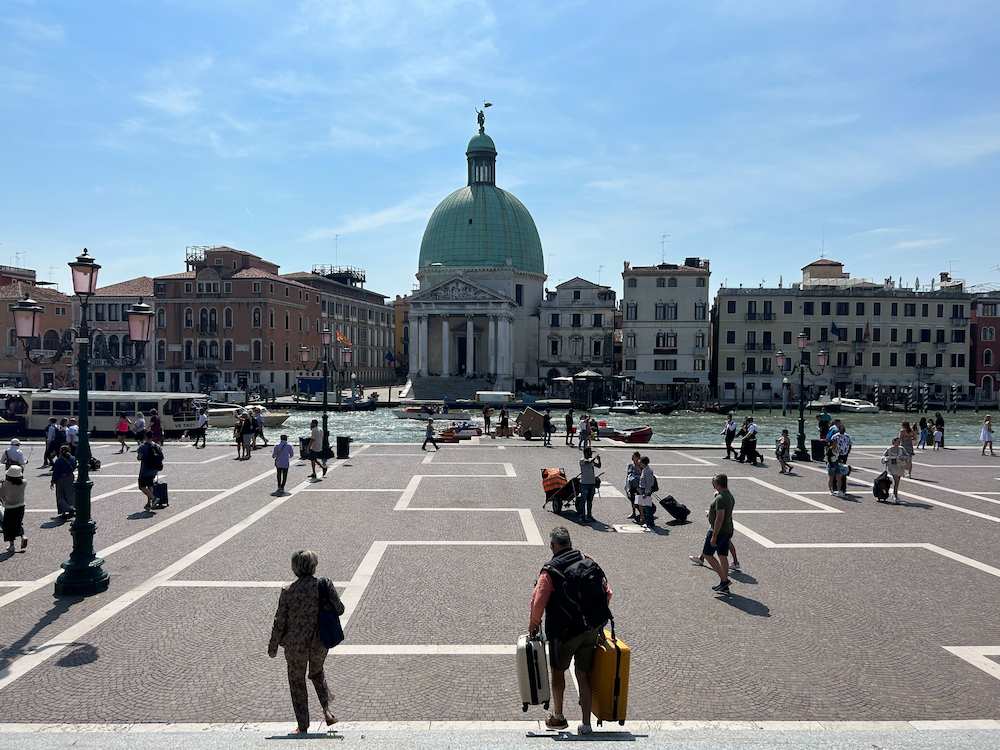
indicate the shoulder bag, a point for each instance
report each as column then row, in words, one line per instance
column 330, row 631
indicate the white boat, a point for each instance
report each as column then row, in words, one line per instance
column 599, row 410
column 228, row 414
column 625, row 406
column 422, row 413
column 856, row 405
column 34, row 407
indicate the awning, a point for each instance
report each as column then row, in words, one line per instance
column 588, row 374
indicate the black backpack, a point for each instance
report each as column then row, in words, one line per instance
column 655, row 487
column 155, row 457
column 586, row 601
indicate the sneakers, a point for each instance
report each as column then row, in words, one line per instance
column 584, row 729
column 735, row 566
column 555, row 723
column 696, row 560
column 722, row 588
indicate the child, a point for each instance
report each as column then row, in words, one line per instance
column 938, row 438
column 781, row 450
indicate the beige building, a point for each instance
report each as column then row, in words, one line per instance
column 875, row 333
column 665, row 328
column 576, row 324
column 114, row 362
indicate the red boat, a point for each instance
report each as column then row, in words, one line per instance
column 634, row 434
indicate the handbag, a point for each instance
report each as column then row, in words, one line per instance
column 331, row 633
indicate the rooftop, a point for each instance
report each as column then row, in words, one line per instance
column 691, row 266
column 141, row 286
column 18, row 289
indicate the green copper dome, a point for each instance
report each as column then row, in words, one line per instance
column 480, row 225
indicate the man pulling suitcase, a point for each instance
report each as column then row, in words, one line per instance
column 573, row 594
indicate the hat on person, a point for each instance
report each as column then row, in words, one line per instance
column 15, row 472
column 15, row 441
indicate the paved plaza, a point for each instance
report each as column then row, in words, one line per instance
column 846, row 610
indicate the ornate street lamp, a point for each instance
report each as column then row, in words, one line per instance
column 801, row 454
column 326, row 387
column 83, row 573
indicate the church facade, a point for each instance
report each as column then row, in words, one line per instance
column 474, row 317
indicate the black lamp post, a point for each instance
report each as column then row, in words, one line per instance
column 326, row 387
column 801, row 454
column 83, row 573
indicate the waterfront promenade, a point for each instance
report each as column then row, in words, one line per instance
column 846, row 610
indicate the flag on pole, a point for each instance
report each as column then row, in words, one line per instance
column 342, row 339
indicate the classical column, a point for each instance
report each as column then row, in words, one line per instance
column 423, row 344
column 507, row 342
column 491, row 345
column 414, row 355
column 445, row 347
column 470, row 365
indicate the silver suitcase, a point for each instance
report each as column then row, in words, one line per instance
column 532, row 672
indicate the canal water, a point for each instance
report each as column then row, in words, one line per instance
column 678, row 428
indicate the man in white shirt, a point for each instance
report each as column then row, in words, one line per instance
column 316, row 448
column 843, row 442
column 139, row 427
column 201, row 428
column 73, row 435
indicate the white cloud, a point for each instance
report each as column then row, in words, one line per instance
column 34, row 31
column 175, row 101
column 416, row 208
column 921, row 243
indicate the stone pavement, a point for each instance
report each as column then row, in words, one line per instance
column 847, row 610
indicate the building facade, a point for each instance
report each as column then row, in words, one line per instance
column 576, row 327
column 111, row 344
column 665, row 328
column 55, row 322
column 481, row 275
column 364, row 350
column 984, row 351
column 232, row 322
column 875, row 334
column 401, row 317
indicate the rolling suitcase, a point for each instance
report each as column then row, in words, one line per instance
column 678, row 511
column 532, row 672
column 160, row 494
column 609, row 679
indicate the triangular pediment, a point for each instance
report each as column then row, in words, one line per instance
column 458, row 289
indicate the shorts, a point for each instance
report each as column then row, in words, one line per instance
column 581, row 647
column 146, row 480
column 316, row 455
column 721, row 547
column 246, row 439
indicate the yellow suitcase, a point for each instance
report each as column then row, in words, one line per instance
column 609, row 679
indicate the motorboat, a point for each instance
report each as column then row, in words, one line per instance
column 634, row 434
column 268, row 417
column 415, row 412
column 464, row 430
column 599, row 410
column 625, row 406
column 856, row 405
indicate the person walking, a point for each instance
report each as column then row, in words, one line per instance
column 842, row 443
column 429, row 436
column 150, row 457
column 823, row 423
column 62, row 482
column 895, row 459
column 316, row 457
column 13, row 455
column 156, row 427
column 282, row 453
column 487, row 419
column 547, row 428
column 72, row 435
column 647, row 486
column 720, row 531
column 923, row 434
column 504, row 422
column 50, row 439
column 573, row 624
column 906, row 438
column 12, row 499
column 138, row 426
column 569, row 428
column 632, row 473
column 782, row 451
column 258, row 427
column 584, row 439
column 938, row 438
column 986, row 435
column 246, row 434
column 588, row 485
column 938, row 427
column 201, row 428
column 729, row 434
column 122, row 431
column 296, row 630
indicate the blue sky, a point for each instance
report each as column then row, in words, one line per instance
column 749, row 132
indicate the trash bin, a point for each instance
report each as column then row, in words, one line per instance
column 304, row 447
column 818, row 450
column 343, row 446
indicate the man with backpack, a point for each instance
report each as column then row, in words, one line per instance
column 573, row 593
column 150, row 457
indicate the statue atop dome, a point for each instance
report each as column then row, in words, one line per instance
column 481, row 117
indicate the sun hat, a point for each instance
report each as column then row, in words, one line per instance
column 15, row 472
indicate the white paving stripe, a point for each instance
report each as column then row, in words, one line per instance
column 978, row 656
column 17, row 668
column 696, row 459
column 516, row 728
column 138, row 536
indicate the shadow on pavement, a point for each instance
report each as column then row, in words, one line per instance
column 739, row 575
column 17, row 648
column 82, row 653
column 746, row 604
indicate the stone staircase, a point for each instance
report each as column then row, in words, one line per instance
column 437, row 389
